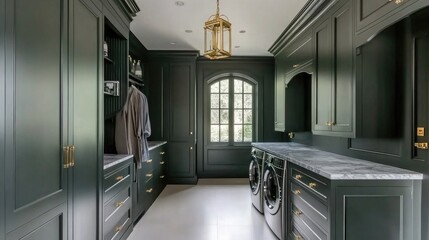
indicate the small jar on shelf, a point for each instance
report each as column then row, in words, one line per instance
column 139, row 72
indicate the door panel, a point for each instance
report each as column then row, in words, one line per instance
column 2, row 119
column 34, row 115
column 279, row 108
column 87, row 27
column 322, row 81
column 342, row 113
column 182, row 102
column 181, row 161
column 49, row 226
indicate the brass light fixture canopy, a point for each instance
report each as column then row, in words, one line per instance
column 217, row 36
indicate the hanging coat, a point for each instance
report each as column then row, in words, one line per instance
column 133, row 127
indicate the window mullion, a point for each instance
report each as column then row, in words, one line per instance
column 231, row 111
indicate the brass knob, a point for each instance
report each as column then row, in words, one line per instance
column 162, row 162
column 149, row 190
column 162, row 176
column 312, row 185
column 149, row 175
column 149, row 161
column 162, row 153
column 328, row 124
column 119, row 178
column 118, row 204
column 399, row 1
column 297, row 192
column 298, row 177
column 295, row 65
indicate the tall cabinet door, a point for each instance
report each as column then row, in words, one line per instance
column 279, row 108
column 342, row 87
column 36, row 119
column 181, row 120
column 2, row 113
column 322, row 85
column 85, row 84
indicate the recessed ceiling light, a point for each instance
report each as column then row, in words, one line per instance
column 237, row 46
column 179, row 3
column 172, row 43
column 188, row 31
column 242, row 31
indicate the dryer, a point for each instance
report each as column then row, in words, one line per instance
column 273, row 197
column 255, row 178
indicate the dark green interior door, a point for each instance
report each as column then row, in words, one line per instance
column 85, row 62
column 35, row 120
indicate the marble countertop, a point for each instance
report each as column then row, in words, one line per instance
column 111, row 160
column 155, row 144
column 334, row 166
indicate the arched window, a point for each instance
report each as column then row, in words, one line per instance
column 232, row 110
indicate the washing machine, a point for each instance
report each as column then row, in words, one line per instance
column 273, row 197
column 255, row 178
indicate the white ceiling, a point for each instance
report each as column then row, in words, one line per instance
column 161, row 22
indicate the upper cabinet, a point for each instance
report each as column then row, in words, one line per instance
column 333, row 83
column 299, row 54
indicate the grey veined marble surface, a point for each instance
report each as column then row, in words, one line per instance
column 334, row 166
column 111, row 160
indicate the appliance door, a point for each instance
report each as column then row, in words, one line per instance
column 254, row 175
column 272, row 191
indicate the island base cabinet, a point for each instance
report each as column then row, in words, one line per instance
column 377, row 212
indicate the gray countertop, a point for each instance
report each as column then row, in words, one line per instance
column 111, row 160
column 155, row 144
column 334, row 166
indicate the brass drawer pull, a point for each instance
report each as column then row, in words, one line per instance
column 312, row 185
column 328, row 124
column 149, row 190
column 162, row 153
column 149, row 175
column 162, row 162
column 297, row 192
column 298, row 177
column 118, row 204
column 119, row 178
column 118, row 228
column 297, row 213
column 295, row 65
column 162, row 176
column 421, row 145
column 66, row 157
column 298, row 237
column 149, row 161
column 72, row 163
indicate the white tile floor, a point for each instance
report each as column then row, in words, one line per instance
column 215, row 209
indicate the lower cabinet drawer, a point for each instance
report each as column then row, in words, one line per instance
column 121, row 200
column 116, row 232
column 310, row 205
column 116, row 181
column 308, row 226
column 296, row 233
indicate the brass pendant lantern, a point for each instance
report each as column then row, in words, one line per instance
column 217, row 36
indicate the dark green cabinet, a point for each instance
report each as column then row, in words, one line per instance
column 353, row 209
column 172, row 73
column 333, row 84
column 52, row 77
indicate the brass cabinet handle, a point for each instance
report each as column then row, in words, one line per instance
column 421, row 145
column 66, row 157
column 295, row 65
column 312, row 185
column 72, row 162
column 328, row 124
column 298, row 177
column 161, row 153
column 149, row 190
column 297, row 213
column 297, row 192
column 149, row 175
column 118, row 228
column 149, row 161
column 399, row 1
column 118, row 204
column 119, row 178
column 162, row 162
column 162, row 176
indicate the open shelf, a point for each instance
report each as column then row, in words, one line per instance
column 107, row 59
column 135, row 77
